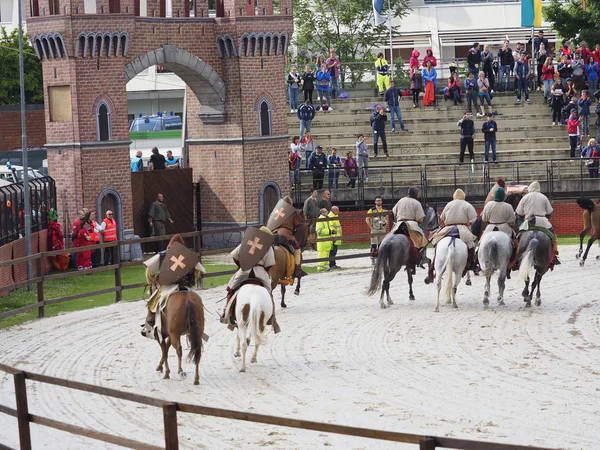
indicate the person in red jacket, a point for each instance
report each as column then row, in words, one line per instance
column 429, row 57
column 596, row 54
column 573, row 130
column 584, row 51
column 414, row 62
column 84, row 259
column 548, row 77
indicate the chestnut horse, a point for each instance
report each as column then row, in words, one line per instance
column 591, row 222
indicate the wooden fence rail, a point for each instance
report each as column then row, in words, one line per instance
column 170, row 410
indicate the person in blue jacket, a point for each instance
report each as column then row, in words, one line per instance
column 324, row 87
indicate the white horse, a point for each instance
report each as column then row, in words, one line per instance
column 254, row 307
column 494, row 254
column 450, row 256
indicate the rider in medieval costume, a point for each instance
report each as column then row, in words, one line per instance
column 410, row 211
column 535, row 209
column 457, row 214
column 285, row 231
column 254, row 257
column 378, row 225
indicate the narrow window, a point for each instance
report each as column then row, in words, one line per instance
column 103, row 123
column 265, row 119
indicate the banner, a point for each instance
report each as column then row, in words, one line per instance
column 531, row 13
column 378, row 12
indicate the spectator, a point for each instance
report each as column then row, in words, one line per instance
column 325, row 201
column 171, row 161
column 293, row 80
column 323, row 231
column 489, row 129
column 158, row 215
column 308, row 84
column 591, row 69
column 324, row 88
column 108, row 228
column 377, row 225
column 584, row 104
column 454, row 88
column 363, row 157
column 564, row 69
column 378, row 119
column 416, row 86
column 318, row 163
column 157, row 161
column 319, row 64
column 430, row 80
column 507, row 62
column 591, row 155
column 336, row 229
column 538, row 41
column 522, row 76
column 471, row 92
column 84, row 258
column 565, row 50
column 295, row 161
column 392, row 97
column 548, row 77
column 383, row 78
column 452, row 66
column 584, row 51
column 566, row 111
column 596, row 54
column 487, row 59
column 578, row 66
column 75, row 226
column 311, row 212
column 95, row 240
column 333, row 165
column 570, row 91
column 541, row 56
column 597, row 123
column 483, row 90
column 334, row 65
column 467, row 134
column 307, row 144
column 556, row 101
column 518, row 51
column 137, row 163
column 573, row 130
column 306, row 113
column 429, row 57
column 350, row 170
column 474, row 59
column 414, row 62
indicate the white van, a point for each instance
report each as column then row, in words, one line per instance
column 14, row 174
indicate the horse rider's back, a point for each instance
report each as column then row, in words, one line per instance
column 535, row 204
column 498, row 215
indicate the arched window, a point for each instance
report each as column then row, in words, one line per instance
column 221, row 47
column 103, row 122
column 35, row 8
column 264, row 118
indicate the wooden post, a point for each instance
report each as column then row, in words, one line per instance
column 22, row 411
column 427, row 443
column 40, row 286
column 117, row 261
column 170, row 419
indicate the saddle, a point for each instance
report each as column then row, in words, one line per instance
column 403, row 229
column 230, row 308
column 454, row 232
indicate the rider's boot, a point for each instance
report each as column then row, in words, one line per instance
column 273, row 321
column 431, row 274
column 470, row 261
column 229, row 320
column 556, row 262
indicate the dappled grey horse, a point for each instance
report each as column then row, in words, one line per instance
column 535, row 251
column 495, row 250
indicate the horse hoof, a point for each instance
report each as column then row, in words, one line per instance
column 581, row 263
column 182, row 374
column 436, row 309
column 283, row 305
column 196, row 382
column 598, row 257
column 527, row 304
column 412, row 297
column 577, row 255
column 501, row 302
column 243, row 369
column 159, row 369
column 383, row 306
column 296, row 292
column 468, row 282
column 166, row 377
column 455, row 306
column 538, row 302
column 237, row 354
column 253, row 360
column 486, row 301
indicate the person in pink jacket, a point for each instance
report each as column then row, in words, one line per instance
column 429, row 57
column 414, row 62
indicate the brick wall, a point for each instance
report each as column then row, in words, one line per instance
column 10, row 118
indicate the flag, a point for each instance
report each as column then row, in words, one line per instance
column 378, row 12
column 531, row 13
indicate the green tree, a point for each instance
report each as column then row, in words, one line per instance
column 9, row 71
column 572, row 21
column 347, row 26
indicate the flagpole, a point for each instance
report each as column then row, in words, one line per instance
column 391, row 44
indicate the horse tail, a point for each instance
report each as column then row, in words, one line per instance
column 381, row 264
column 490, row 254
column 254, row 325
column 194, row 333
column 449, row 268
column 528, row 258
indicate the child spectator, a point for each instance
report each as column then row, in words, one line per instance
column 452, row 66
column 308, row 84
column 454, row 88
column 324, row 88
column 548, row 78
column 294, row 162
column 522, row 75
column 591, row 154
column 84, row 259
column 564, row 69
column 307, row 144
column 489, row 129
column 306, row 113
column 556, row 101
column 416, row 85
column 319, row 64
column 591, row 69
column 293, row 80
column 414, row 62
column 566, row 111
column 471, row 92
column 430, row 80
column 570, row 90
column 483, row 86
column 584, row 104
column 333, row 164
column 573, row 130
column 350, row 169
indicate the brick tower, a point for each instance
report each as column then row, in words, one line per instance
column 237, row 132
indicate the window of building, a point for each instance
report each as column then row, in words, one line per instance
column 103, row 122
column 114, row 6
column 264, row 118
column 35, row 8
column 54, row 7
column 59, row 104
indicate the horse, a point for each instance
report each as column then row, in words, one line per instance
column 591, row 221
column 183, row 315
column 394, row 253
column 253, row 309
column 451, row 257
column 495, row 250
column 535, row 251
column 278, row 272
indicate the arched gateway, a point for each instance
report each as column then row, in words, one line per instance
column 100, row 45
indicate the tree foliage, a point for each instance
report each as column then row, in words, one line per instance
column 345, row 25
column 9, row 71
column 573, row 22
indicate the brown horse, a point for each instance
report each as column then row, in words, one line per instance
column 591, row 222
column 279, row 270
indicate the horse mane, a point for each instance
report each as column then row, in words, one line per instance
column 176, row 238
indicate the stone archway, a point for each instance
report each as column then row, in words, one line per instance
column 202, row 79
column 268, row 196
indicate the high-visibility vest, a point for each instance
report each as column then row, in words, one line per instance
column 110, row 232
column 95, row 236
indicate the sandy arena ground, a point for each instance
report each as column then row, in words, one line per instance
column 506, row 374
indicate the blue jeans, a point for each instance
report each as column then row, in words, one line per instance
column 334, row 177
column 585, row 125
column 484, row 97
column 294, row 98
column 308, row 153
column 490, row 143
column 504, row 71
column 304, row 125
column 521, row 86
column 474, row 71
column 396, row 110
column 335, row 85
column 547, row 88
column 593, row 85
